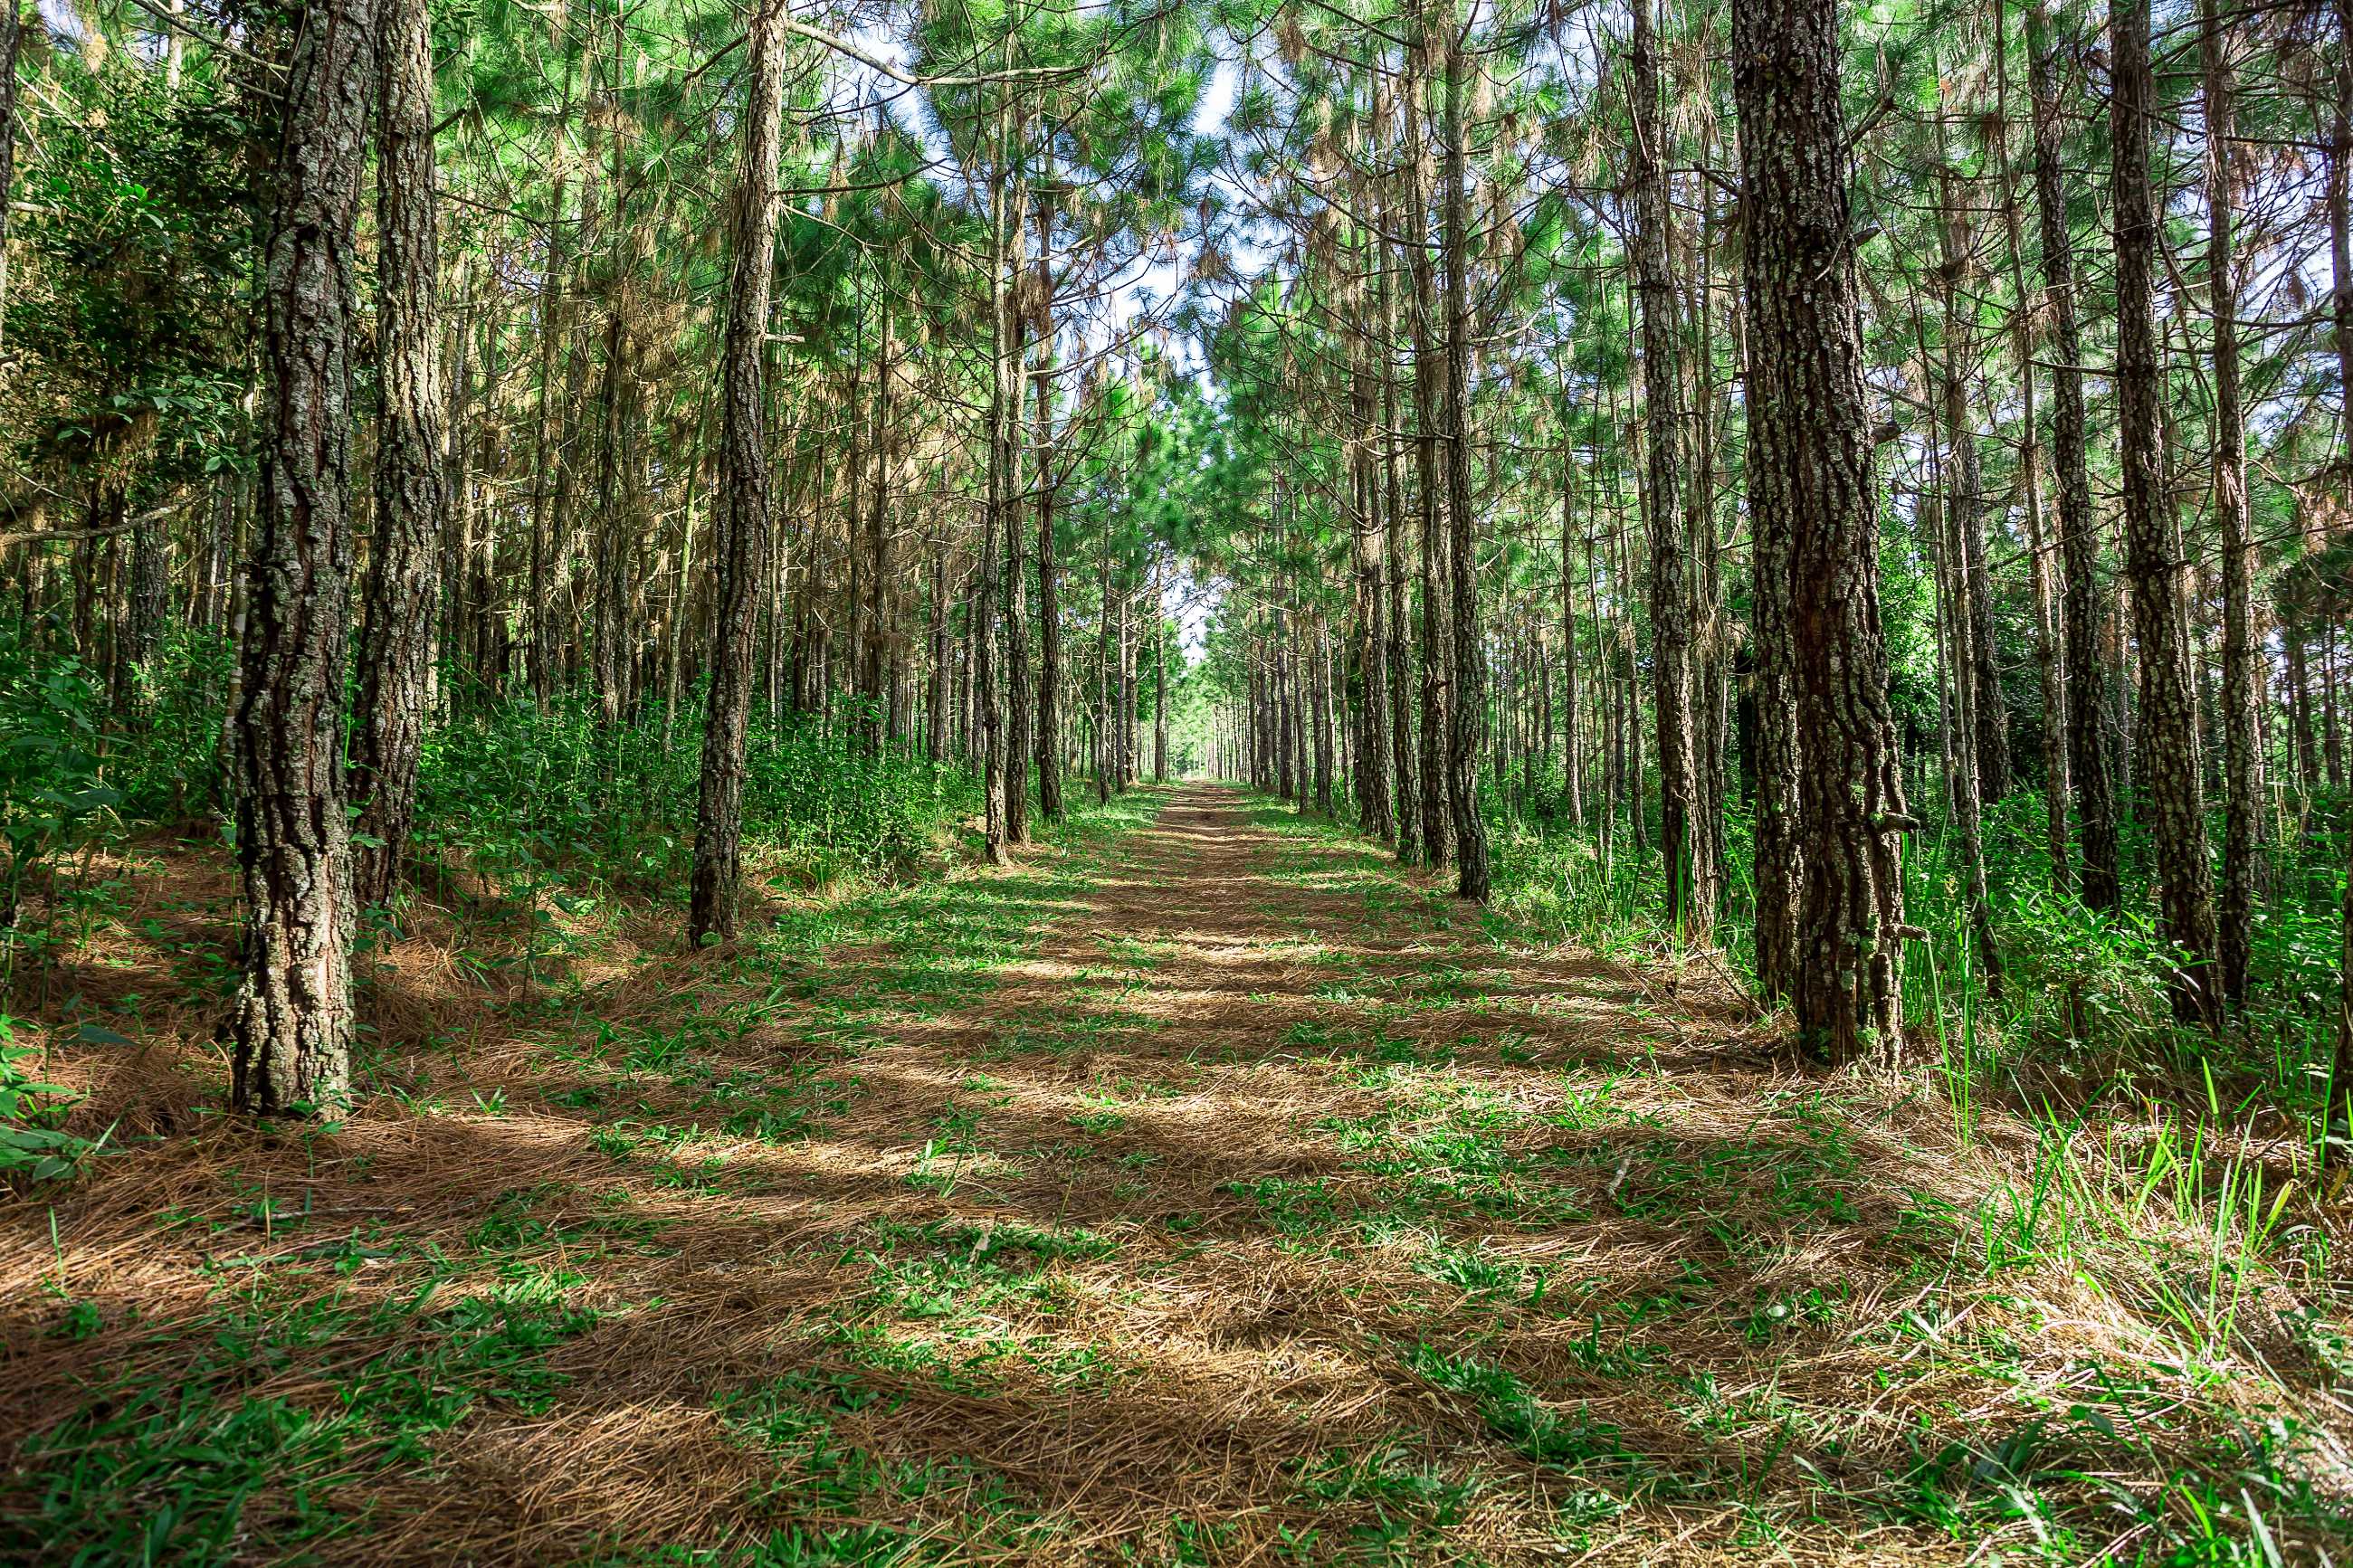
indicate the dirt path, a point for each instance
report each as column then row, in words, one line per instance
column 1201, row 1192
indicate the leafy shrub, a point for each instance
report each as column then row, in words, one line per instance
column 52, row 782
column 34, row 1144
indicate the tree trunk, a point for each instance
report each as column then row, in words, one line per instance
column 149, row 607
column 1374, row 815
column 1002, row 769
column 874, row 550
column 1049, row 599
column 292, row 1029
column 2153, row 553
column 2079, row 540
column 1811, row 487
column 2241, row 764
column 1400, row 639
column 1572, row 795
column 1160, row 702
column 1691, row 894
column 742, row 517
column 1974, row 663
column 1437, row 812
column 935, row 745
column 411, row 493
column 1468, row 709
column 2050, row 666
column 1021, row 697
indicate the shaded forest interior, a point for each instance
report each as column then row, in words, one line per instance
column 1176, row 782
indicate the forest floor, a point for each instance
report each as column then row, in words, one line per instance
column 1202, row 1189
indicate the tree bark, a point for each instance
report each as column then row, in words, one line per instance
column 1990, row 719
column 1050, row 597
column 12, row 41
column 1437, row 812
column 875, row 550
column 2079, row 540
column 411, row 486
column 1401, row 638
column 2153, row 555
column 1468, row 709
column 2241, row 764
column 1691, row 894
column 291, row 1028
column 1811, row 487
column 744, row 521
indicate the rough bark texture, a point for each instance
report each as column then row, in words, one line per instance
column 744, row 521
column 1401, row 650
column 1007, row 514
column 2340, row 215
column 1049, row 602
column 1810, row 479
column 1572, row 795
column 292, row 1029
column 2079, row 541
column 411, row 486
column 994, row 827
column 1778, row 860
column 1437, row 813
column 874, row 552
column 1691, row 894
column 1374, row 812
column 2049, row 665
column 1965, row 491
column 2341, row 1077
column 1468, row 710
column 2153, row 555
column 2241, row 762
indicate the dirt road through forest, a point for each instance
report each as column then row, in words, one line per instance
column 1202, row 1190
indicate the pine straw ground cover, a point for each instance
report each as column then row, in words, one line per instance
column 1202, row 1190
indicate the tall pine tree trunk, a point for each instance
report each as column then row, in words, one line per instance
column 1400, row 641
column 1811, row 491
column 291, row 1027
column 2079, row 540
column 2050, row 663
column 1049, row 599
column 2241, row 762
column 1467, row 710
column 743, row 516
column 1690, row 889
column 411, row 496
column 2153, row 555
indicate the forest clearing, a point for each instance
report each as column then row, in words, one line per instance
column 1145, row 782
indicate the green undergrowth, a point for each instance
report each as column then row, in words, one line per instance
column 2206, row 1442
column 335, row 1355
column 872, row 1239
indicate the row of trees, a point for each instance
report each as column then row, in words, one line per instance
column 684, row 361
column 1601, row 361
column 1728, row 432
